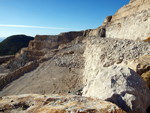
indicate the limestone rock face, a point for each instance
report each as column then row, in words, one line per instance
column 55, row 103
column 131, row 21
column 52, row 41
column 104, row 52
column 122, row 86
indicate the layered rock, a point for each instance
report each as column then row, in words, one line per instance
column 122, row 86
column 131, row 21
column 38, row 47
column 6, row 58
column 52, row 41
column 34, row 103
column 100, row 31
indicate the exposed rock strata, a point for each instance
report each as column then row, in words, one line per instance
column 122, row 86
column 100, row 31
column 56, row 104
column 131, row 21
column 35, row 49
column 52, row 41
column 6, row 58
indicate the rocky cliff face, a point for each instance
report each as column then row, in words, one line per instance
column 131, row 21
column 104, row 52
column 49, row 41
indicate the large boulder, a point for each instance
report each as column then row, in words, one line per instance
column 56, row 103
column 122, row 86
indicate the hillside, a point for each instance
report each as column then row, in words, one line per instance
column 13, row 44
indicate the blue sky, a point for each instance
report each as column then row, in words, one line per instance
column 51, row 17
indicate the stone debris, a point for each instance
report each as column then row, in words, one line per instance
column 55, row 103
column 72, row 57
column 104, row 52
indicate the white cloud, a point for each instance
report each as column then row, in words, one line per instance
column 25, row 26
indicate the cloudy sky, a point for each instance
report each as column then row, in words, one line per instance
column 51, row 17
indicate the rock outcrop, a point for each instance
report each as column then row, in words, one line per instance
column 52, row 41
column 100, row 31
column 141, row 65
column 122, row 86
column 56, row 103
column 6, row 58
column 104, row 52
column 131, row 21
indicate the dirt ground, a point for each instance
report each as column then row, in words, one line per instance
column 47, row 78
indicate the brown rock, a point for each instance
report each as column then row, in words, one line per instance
column 146, row 77
column 107, row 19
column 56, row 103
column 147, row 40
column 141, row 65
column 100, row 32
column 52, row 41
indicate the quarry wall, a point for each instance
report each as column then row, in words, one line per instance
column 131, row 21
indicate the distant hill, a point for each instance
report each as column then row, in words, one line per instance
column 1, row 39
column 13, row 44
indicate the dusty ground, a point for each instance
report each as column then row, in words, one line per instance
column 47, row 78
